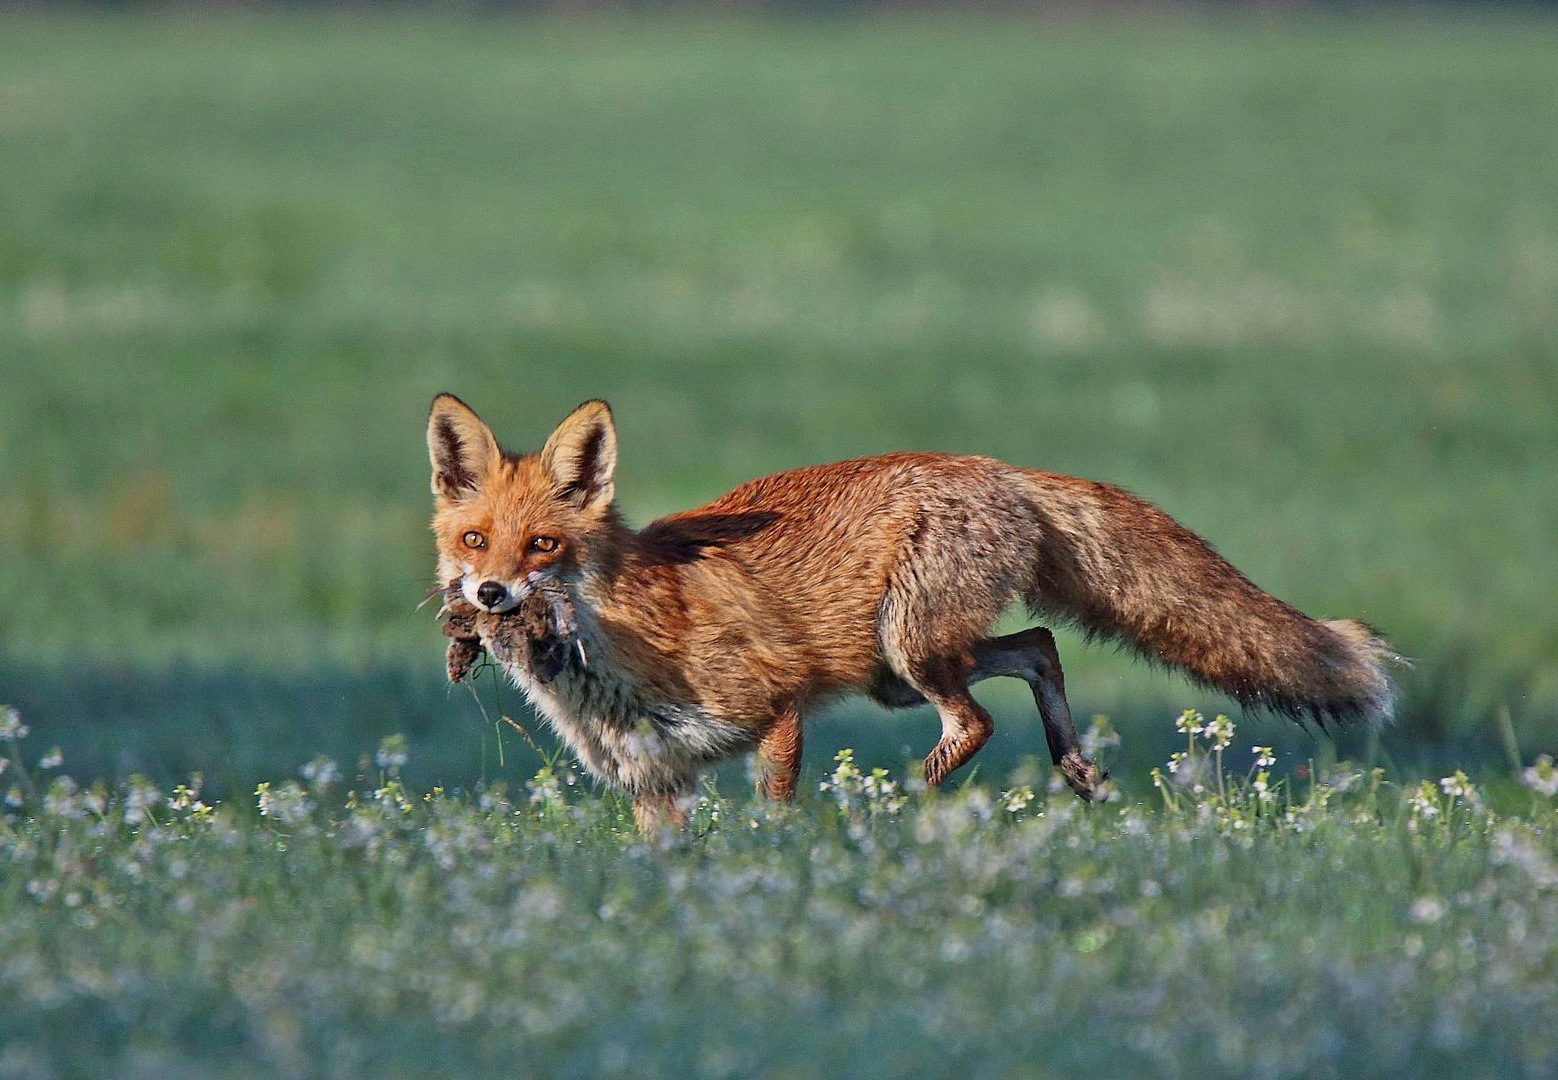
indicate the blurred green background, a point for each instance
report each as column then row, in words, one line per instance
column 1295, row 280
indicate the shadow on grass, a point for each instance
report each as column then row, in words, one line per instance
column 240, row 725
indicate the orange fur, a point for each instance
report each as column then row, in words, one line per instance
column 709, row 632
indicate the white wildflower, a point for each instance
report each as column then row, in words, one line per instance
column 1542, row 777
column 1098, row 737
column 186, row 797
column 322, row 772
column 1017, row 799
column 392, row 755
column 288, row 803
column 62, row 799
column 1190, row 722
column 1264, row 757
column 1457, row 787
column 881, row 793
column 139, row 800
column 1220, row 731
column 52, row 760
column 11, row 727
column 545, row 788
column 844, row 784
column 1423, row 805
column 1262, row 788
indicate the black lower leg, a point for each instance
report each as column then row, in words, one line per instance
column 1060, row 732
column 1048, row 683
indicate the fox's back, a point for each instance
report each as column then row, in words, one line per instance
column 843, row 521
column 817, row 547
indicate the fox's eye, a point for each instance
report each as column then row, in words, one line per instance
column 474, row 539
column 543, row 543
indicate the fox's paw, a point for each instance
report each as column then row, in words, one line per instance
column 1084, row 776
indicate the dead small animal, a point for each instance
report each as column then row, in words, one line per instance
column 544, row 621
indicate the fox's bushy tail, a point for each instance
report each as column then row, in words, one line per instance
column 1119, row 567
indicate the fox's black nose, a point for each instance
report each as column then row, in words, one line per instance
column 491, row 594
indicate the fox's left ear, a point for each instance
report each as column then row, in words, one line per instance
column 581, row 456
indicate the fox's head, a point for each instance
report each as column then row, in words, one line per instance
column 501, row 517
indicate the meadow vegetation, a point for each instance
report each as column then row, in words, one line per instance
column 352, row 926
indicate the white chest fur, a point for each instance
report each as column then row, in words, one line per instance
column 619, row 733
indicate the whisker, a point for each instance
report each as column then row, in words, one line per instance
column 445, row 591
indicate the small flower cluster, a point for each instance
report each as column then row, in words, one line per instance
column 1198, row 769
column 186, row 799
column 1444, row 805
column 1018, row 799
column 1099, row 738
column 322, row 773
column 1197, row 781
column 874, row 793
column 12, row 730
column 287, row 803
column 392, row 755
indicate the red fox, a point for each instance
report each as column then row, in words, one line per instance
column 711, row 632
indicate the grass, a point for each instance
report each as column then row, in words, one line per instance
column 358, row 927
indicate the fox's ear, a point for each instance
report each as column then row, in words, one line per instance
column 461, row 448
column 581, row 456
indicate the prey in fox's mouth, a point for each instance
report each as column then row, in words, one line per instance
column 539, row 627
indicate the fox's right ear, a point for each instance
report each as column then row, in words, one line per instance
column 461, row 448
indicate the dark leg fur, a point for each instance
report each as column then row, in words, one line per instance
column 1029, row 655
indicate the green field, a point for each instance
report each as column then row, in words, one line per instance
column 1294, row 280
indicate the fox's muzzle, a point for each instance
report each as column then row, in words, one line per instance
column 494, row 596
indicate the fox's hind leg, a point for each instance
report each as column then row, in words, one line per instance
column 965, row 726
column 1031, row 655
column 956, row 574
column 779, row 756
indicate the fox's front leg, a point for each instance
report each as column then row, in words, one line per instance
column 779, row 756
column 465, row 647
column 661, row 812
